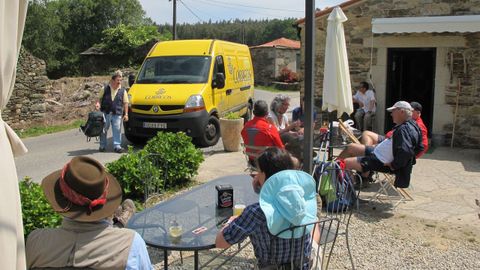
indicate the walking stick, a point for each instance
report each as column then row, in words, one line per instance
column 459, row 86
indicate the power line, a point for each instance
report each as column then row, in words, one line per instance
column 210, row 16
column 268, row 8
column 230, row 7
column 191, row 11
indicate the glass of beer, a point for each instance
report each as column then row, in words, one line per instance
column 238, row 209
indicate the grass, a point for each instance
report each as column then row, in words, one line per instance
column 42, row 130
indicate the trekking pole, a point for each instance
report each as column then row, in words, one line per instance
column 459, row 86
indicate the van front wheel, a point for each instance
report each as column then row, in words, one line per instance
column 211, row 133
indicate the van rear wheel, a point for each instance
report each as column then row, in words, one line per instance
column 211, row 133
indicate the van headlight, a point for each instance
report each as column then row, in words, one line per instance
column 194, row 103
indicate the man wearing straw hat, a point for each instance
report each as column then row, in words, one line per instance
column 86, row 196
column 287, row 197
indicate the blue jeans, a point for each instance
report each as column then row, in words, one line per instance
column 116, row 121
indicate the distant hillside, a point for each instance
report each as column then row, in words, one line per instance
column 250, row 32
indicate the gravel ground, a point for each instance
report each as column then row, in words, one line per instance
column 379, row 240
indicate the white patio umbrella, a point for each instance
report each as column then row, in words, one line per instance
column 12, row 247
column 337, row 89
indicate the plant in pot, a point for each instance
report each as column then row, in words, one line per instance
column 231, row 126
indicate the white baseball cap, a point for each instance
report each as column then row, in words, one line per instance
column 400, row 105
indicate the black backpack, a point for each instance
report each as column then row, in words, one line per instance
column 94, row 125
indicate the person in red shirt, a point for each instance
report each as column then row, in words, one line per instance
column 372, row 138
column 260, row 132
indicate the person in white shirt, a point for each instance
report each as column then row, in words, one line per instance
column 366, row 112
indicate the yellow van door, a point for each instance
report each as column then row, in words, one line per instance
column 220, row 99
column 243, row 79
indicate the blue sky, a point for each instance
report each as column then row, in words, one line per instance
column 193, row 11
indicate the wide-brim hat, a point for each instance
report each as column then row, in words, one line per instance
column 84, row 179
column 288, row 198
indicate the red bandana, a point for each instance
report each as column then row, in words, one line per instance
column 79, row 199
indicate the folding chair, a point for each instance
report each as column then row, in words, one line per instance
column 388, row 192
column 155, row 176
column 324, row 230
column 335, row 185
column 251, row 153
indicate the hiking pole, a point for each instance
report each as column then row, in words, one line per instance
column 459, row 86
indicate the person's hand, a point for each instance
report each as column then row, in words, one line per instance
column 229, row 221
column 295, row 125
column 301, row 131
column 97, row 106
column 125, row 118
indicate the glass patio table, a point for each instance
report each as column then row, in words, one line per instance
column 191, row 210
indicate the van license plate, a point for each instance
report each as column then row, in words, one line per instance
column 154, row 125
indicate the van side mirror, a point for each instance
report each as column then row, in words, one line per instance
column 219, row 81
column 131, row 79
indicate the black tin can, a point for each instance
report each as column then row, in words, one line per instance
column 225, row 196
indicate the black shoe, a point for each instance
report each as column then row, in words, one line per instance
column 101, row 149
column 119, row 150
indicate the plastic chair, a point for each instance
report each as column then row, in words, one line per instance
column 319, row 257
column 341, row 199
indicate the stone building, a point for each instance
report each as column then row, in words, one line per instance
column 270, row 58
column 422, row 50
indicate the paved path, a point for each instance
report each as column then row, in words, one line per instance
column 444, row 186
column 50, row 152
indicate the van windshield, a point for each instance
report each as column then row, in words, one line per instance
column 175, row 69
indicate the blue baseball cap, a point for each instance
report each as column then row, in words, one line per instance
column 288, row 198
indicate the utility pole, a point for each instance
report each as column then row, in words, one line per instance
column 174, row 24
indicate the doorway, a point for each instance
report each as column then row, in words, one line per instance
column 411, row 77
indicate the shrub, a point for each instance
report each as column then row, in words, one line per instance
column 287, row 76
column 232, row 115
column 167, row 160
column 37, row 212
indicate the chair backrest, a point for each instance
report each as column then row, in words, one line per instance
column 251, row 153
column 321, row 241
column 154, row 174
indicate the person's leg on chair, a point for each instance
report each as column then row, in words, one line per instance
column 367, row 121
column 371, row 138
column 359, row 119
column 353, row 150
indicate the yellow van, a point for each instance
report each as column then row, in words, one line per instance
column 187, row 85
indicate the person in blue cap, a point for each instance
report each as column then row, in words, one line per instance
column 287, row 197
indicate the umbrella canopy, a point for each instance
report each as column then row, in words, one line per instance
column 12, row 250
column 337, row 93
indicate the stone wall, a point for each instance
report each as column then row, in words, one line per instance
column 268, row 61
column 466, row 59
column 27, row 103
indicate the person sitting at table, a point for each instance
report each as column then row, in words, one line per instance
column 372, row 138
column 395, row 154
column 298, row 114
column 258, row 131
column 366, row 112
column 278, row 116
column 262, row 221
column 87, row 197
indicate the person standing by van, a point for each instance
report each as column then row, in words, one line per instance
column 113, row 102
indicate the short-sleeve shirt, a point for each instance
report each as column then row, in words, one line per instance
column 259, row 132
column 252, row 223
column 366, row 99
column 274, row 118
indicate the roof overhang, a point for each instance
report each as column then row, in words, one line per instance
column 437, row 24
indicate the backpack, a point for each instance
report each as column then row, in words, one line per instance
column 94, row 125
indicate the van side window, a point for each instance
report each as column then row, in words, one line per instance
column 219, row 66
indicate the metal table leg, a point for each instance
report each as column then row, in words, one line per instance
column 195, row 266
column 165, row 259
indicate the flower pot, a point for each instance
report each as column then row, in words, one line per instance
column 230, row 130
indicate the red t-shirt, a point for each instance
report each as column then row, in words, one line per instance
column 259, row 132
column 423, row 128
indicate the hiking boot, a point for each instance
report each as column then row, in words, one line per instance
column 101, row 149
column 119, row 150
column 122, row 217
